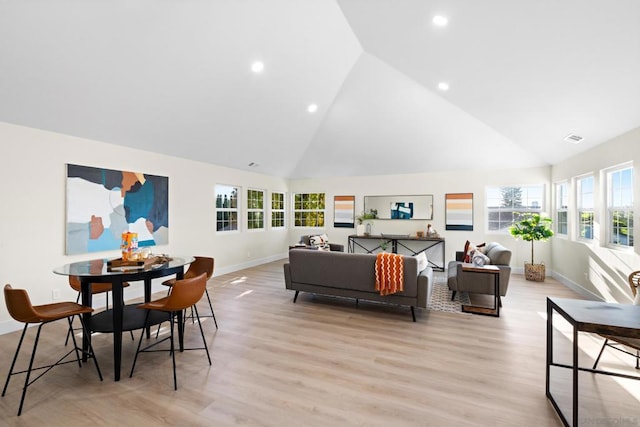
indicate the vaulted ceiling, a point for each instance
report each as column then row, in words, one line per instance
column 176, row 77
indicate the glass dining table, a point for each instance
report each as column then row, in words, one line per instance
column 120, row 317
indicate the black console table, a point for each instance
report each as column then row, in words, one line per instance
column 587, row 316
column 401, row 244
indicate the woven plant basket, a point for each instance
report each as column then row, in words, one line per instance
column 534, row 272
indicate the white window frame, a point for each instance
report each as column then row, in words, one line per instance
column 533, row 202
column 233, row 212
column 299, row 209
column 619, row 199
column 562, row 190
column 585, row 205
column 255, row 209
column 280, row 210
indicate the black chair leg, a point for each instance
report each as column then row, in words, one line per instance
column 15, row 357
column 204, row 341
column 211, row 307
column 144, row 328
column 26, row 380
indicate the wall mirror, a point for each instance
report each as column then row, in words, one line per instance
column 401, row 207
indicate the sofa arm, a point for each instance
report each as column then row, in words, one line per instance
column 287, row 276
column 483, row 283
column 336, row 247
column 425, row 287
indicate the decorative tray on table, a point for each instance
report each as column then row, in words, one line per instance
column 119, row 264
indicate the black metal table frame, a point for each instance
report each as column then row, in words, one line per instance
column 116, row 279
column 577, row 327
column 397, row 241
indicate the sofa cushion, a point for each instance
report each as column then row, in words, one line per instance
column 320, row 241
column 498, row 254
column 423, row 262
column 469, row 248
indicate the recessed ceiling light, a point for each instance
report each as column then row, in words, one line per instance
column 440, row 21
column 312, row 108
column 443, row 86
column 257, row 67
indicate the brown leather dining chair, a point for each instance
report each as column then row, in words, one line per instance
column 619, row 343
column 183, row 294
column 20, row 308
column 96, row 288
column 196, row 268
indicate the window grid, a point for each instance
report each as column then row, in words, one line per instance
column 506, row 205
column 255, row 209
column 585, row 211
column 562, row 208
column 277, row 210
column 226, row 208
column 308, row 209
column 620, row 207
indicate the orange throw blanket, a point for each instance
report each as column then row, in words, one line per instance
column 389, row 273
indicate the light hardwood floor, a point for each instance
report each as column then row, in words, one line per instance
column 327, row 362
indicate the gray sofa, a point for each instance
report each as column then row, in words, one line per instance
column 465, row 281
column 353, row 275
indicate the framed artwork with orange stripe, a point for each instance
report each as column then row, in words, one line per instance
column 458, row 211
column 344, row 211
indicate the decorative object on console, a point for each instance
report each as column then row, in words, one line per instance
column 431, row 232
column 459, row 211
column 531, row 228
column 364, row 220
column 344, row 211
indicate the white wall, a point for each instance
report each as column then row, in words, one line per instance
column 32, row 222
column 32, row 231
column 437, row 184
column 595, row 268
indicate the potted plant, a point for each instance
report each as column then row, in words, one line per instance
column 364, row 221
column 531, row 228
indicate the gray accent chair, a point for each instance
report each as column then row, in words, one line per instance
column 478, row 283
column 353, row 276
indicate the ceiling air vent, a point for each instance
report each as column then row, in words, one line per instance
column 574, row 139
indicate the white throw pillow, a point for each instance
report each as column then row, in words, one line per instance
column 479, row 259
column 319, row 241
column 423, row 262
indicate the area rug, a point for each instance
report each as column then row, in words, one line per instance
column 441, row 297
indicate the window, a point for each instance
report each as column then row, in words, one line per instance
column 584, row 188
column 226, row 208
column 620, row 206
column 255, row 209
column 308, row 210
column 505, row 205
column 277, row 210
column 562, row 206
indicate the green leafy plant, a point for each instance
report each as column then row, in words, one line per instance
column 364, row 216
column 532, row 228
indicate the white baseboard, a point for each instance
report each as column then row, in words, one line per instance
column 576, row 287
column 249, row 264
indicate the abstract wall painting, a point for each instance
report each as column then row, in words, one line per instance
column 344, row 211
column 104, row 203
column 459, row 211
